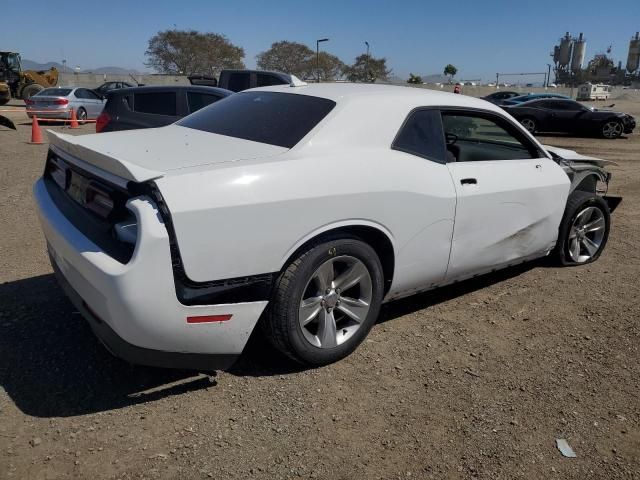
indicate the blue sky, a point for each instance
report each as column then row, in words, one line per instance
column 479, row 37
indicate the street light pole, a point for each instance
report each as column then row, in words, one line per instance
column 548, row 73
column 366, row 66
column 318, row 57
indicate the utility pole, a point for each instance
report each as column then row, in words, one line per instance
column 366, row 66
column 318, row 57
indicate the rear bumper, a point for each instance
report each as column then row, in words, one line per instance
column 133, row 307
column 53, row 114
column 139, row 355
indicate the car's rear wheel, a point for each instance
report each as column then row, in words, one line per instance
column 529, row 124
column 326, row 301
column 584, row 229
column 612, row 129
column 81, row 115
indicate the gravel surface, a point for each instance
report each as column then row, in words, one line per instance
column 472, row 381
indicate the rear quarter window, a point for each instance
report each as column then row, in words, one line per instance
column 281, row 119
column 156, row 103
column 198, row 100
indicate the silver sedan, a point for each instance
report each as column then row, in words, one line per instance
column 58, row 103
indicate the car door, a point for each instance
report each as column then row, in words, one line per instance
column 95, row 103
column 510, row 196
column 567, row 116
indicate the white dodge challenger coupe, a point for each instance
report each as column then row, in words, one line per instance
column 303, row 209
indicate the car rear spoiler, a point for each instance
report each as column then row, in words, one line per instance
column 101, row 159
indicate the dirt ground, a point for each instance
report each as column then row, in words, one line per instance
column 471, row 381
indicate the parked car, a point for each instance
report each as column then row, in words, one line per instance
column 533, row 96
column 500, row 96
column 569, row 116
column 146, row 107
column 107, row 87
column 319, row 202
column 57, row 103
column 238, row 80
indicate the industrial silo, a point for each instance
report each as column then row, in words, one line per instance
column 579, row 47
column 633, row 59
column 556, row 54
column 564, row 53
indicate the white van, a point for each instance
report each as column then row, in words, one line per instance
column 591, row 91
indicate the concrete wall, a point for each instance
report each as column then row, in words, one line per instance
column 91, row 80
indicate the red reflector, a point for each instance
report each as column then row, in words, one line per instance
column 209, row 318
column 29, row 102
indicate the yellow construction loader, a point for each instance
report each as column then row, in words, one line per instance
column 21, row 84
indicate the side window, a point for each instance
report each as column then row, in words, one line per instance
column 198, row 100
column 157, row 103
column 570, row 105
column 422, row 135
column 266, row 80
column 473, row 137
column 238, row 82
column 91, row 94
column 80, row 93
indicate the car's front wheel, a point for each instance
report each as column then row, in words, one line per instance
column 326, row 301
column 584, row 229
column 612, row 129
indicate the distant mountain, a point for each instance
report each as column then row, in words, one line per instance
column 31, row 65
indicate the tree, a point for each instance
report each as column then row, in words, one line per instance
column 451, row 71
column 414, row 79
column 191, row 52
column 377, row 69
column 288, row 57
column 330, row 66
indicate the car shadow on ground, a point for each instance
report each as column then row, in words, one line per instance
column 51, row 364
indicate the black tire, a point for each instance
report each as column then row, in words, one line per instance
column 81, row 115
column 281, row 325
column 530, row 124
column 612, row 129
column 30, row 90
column 576, row 203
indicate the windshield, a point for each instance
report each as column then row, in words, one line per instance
column 54, row 92
column 12, row 61
column 281, row 119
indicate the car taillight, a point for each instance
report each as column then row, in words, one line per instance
column 28, row 101
column 102, row 121
column 61, row 101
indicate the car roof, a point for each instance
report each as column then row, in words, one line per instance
column 345, row 92
column 171, row 88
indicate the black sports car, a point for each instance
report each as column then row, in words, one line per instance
column 569, row 116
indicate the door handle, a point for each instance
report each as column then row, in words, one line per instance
column 469, row 181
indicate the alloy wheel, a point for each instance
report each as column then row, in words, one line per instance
column 586, row 234
column 612, row 130
column 335, row 302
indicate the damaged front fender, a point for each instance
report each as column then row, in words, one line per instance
column 586, row 173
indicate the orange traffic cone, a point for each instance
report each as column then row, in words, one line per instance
column 36, row 134
column 74, row 119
